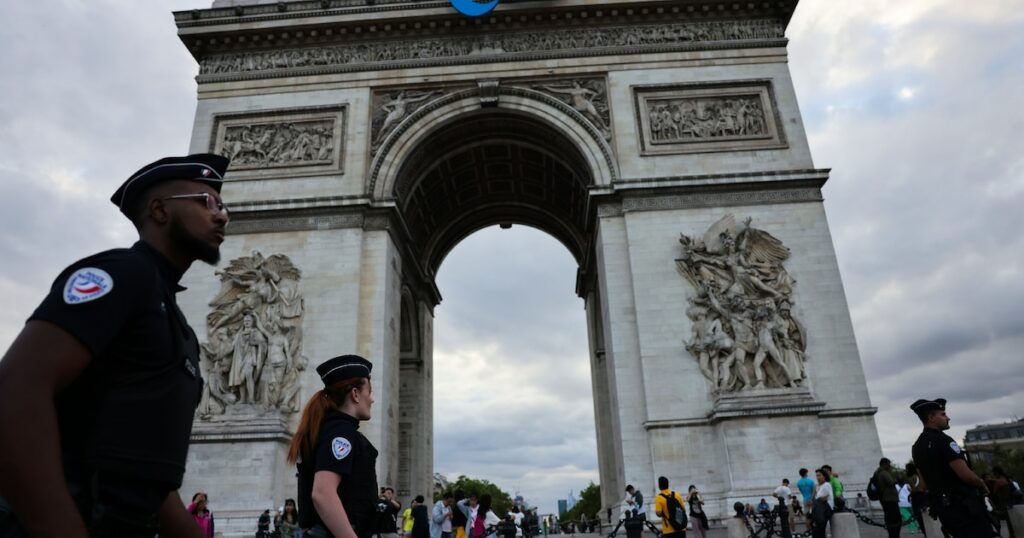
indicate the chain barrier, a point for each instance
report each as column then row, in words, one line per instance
column 873, row 523
column 766, row 524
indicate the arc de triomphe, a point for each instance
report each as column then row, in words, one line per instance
column 659, row 141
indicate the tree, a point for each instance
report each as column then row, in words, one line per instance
column 501, row 502
column 588, row 506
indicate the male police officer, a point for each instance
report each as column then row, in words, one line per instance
column 955, row 492
column 98, row 392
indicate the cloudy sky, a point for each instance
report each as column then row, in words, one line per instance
column 914, row 104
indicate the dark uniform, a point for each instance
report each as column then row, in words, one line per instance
column 125, row 422
column 960, row 507
column 341, row 449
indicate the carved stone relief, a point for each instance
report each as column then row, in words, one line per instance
column 281, row 142
column 589, row 97
column 708, row 117
column 390, row 108
column 253, row 358
column 575, row 42
column 744, row 333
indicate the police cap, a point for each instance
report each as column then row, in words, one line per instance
column 923, row 407
column 205, row 167
column 344, row 367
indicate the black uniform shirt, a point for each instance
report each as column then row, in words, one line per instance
column 341, row 449
column 932, row 454
column 130, row 412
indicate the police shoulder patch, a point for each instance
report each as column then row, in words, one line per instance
column 87, row 284
column 341, row 448
column 955, row 447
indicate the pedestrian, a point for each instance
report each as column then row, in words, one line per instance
column 888, row 496
column 199, row 508
column 441, row 517
column 669, row 506
column 918, row 495
column 839, row 502
column 484, row 519
column 288, row 521
column 407, row 520
column 468, row 507
column 102, row 383
column 782, row 493
column 700, row 519
column 822, row 507
column 337, row 480
column 420, row 519
column 635, row 500
column 906, row 514
column 955, row 493
column 459, row 517
column 387, row 514
column 807, row 486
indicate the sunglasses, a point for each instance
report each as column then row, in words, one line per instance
column 212, row 202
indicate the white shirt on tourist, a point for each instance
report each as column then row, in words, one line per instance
column 825, row 492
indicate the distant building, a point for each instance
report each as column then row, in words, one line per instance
column 563, row 507
column 981, row 441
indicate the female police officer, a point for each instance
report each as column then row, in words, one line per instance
column 337, row 477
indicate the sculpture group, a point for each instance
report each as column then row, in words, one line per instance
column 278, row 144
column 744, row 333
column 689, row 119
column 254, row 354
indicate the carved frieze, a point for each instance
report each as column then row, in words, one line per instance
column 698, row 118
column 472, row 48
column 281, row 142
column 745, row 335
column 253, row 359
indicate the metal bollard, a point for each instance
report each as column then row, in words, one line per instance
column 736, row 528
column 844, row 525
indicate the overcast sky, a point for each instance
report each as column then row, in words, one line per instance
column 914, row 104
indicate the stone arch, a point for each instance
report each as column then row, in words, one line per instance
column 385, row 167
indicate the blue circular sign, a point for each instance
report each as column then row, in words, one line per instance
column 474, row 8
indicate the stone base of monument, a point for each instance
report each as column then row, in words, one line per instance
column 241, row 455
column 932, row 527
column 844, row 525
column 764, row 402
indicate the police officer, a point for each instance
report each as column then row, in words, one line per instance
column 955, row 492
column 337, row 464
column 98, row 391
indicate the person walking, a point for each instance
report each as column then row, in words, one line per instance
column 102, row 383
column 955, row 493
column 782, row 493
column 337, row 477
column 888, row 496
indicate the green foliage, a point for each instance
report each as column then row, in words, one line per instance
column 1010, row 460
column 588, row 506
column 501, row 502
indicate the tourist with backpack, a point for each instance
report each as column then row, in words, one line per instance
column 483, row 525
column 669, row 506
column 888, row 496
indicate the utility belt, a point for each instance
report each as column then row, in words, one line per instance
column 968, row 503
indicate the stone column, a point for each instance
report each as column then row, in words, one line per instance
column 622, row 349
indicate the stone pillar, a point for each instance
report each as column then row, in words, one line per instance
column 622, row 348
column 844, row 525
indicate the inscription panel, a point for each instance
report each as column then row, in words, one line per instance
column 708, row 117
column 281, row 143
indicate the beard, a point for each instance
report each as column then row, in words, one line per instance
column 194, row 247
